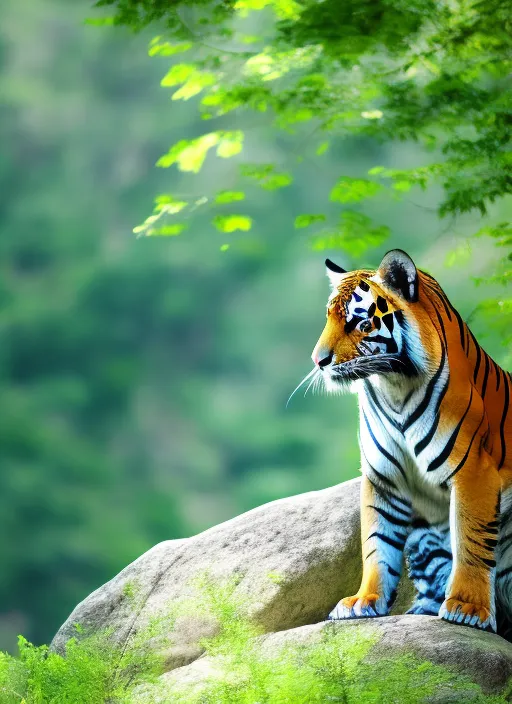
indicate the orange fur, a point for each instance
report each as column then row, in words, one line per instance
column 477, row 399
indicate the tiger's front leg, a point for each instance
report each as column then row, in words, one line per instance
column 385, row 521
column 474, row 513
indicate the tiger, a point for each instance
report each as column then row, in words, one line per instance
column 435, row 437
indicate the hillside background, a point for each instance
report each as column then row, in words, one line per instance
column 143, row 381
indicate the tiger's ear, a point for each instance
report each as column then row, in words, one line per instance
column 334, row 272
column 399, row 273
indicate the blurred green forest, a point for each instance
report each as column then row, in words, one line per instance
column 144, row 381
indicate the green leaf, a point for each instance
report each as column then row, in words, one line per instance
column 230, row 143
column 231, row 223
column 168, row 230
column 458, row 256
column 229, row 196
column 100, row 21
column 189, row 154
column 355, row 234
column 322, row 148
column 308, row 219
column 194, row 85
column 276, row 181
column 402, row 185
column 372, row 114
column 169, row 204
column 158, row 48
column 352, row 190
column 179, row 73
column 266, row 175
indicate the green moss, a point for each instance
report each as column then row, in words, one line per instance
column 338, row 666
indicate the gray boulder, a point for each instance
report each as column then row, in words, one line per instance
column 294, row 559
column 290, row 561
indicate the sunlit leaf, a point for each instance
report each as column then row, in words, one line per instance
column 179, row 73
column 100, row 21
column 194, row 85
column 167, row 230
column 158, row 48
column 372, row 114
column 230, row 143
column 355, row 234
column 231, row 223
column 250, row 38
column 229, row 196
column 189, row 155
column 266, row 175
column 352, row 190
column 308, row 219
column 322, row 148
column 459, row 256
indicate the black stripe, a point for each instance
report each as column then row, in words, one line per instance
column 478, row 356
column 405, row 502
column 443, row 456
column 382, row 450
column 463, row 460
column 422, row 444
column 407, row 398
column 503, row 419
column 439, row 552
column 388, row 321
column 352, row 323
column 377, row 403
column 498, row 376
column 486, row 374
column 422, row 407
column 441, row 325
column 505, row 543
column 400, row 319
column 380, row 477
column 389, row 517
column 382, row 536
column 461, row 326
column 397, row 508
column 364, row 286
column 504, row 572
column 442, row 297
column 382, row 304
column 371, row 310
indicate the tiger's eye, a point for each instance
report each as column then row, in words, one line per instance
column 366, row 326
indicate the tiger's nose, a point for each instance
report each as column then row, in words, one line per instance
column 322, row 356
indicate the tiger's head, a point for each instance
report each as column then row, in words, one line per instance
column 372, row 323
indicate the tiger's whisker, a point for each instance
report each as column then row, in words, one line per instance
column 308, row 376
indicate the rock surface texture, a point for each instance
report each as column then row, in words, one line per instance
column 293, row 559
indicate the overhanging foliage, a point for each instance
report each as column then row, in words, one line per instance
column 431, row 71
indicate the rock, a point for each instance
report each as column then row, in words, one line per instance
column 290, row 561
column 295, row 559
column 470, row 656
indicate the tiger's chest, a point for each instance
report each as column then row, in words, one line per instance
column 408, row 455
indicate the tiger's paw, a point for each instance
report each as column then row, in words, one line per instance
column 467, row 614
column 359, row 607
